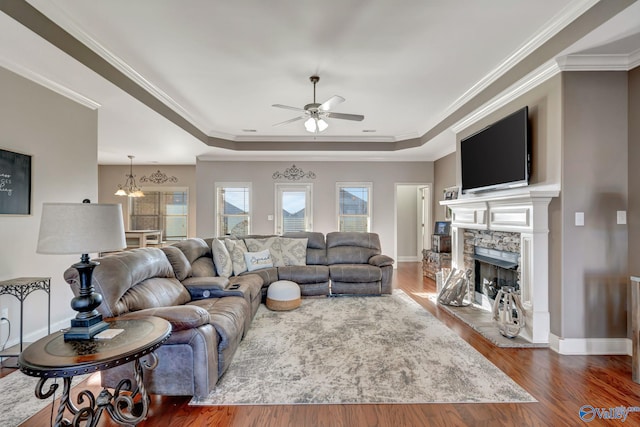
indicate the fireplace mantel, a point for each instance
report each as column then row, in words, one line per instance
column 525, row 211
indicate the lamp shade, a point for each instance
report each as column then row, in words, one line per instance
column 80, row 228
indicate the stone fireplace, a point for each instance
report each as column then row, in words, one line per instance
column 514, row 222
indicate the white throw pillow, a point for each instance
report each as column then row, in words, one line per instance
column 258, row 260
column 236, row 250
column 294, row 250
column 270, row 243
column 221, row 258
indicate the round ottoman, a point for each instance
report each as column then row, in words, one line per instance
column 283, row 295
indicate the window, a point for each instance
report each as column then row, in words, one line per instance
column 166, row 210
column 354, row 206
column 233, row 210
column 294, row 211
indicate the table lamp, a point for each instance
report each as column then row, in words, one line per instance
column 82, row 228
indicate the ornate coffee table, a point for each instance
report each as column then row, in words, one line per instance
column 51, row 357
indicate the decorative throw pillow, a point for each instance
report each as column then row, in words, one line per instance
column 258, row 260
column 294, row 251
column 236, row 250
column 221, row 258
column 270, row 243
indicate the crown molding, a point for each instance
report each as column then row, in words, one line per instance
column 532, row 80
column 49, row 84
column 599, row 62
column 314, row 138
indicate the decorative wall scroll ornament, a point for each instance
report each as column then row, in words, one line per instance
column 159, row 178
column 293, row 174
column 508, row 312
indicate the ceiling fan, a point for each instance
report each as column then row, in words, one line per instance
column 315, row 113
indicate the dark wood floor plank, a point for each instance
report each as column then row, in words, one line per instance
column 561, row 384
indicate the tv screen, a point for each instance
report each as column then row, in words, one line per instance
column 498, row 156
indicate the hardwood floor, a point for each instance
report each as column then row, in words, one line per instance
column 561, row 384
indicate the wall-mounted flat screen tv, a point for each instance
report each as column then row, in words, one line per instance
column 498, row 156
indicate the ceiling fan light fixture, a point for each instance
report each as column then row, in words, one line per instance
column 322, row 125
column 310, row 125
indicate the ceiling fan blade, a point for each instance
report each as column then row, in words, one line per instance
column 286, row 107
column 343, row 116
column 295, row 119
column 330, row 103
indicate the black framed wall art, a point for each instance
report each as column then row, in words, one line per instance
column 15, row 183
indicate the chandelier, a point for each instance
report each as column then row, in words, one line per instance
column 130, row 188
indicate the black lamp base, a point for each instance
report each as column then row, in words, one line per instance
column 85, row 329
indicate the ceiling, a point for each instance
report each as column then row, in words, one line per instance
column 173, row 81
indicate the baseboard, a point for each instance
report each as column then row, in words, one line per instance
column 409, row 258
column 590, row 346
column 32, row 336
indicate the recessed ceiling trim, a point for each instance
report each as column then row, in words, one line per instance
column 310, row 138
column 49, row 84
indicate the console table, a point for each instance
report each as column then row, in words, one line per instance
column 52, row 357
column 21, row 288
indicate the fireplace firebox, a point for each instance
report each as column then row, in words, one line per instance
column 494, row 269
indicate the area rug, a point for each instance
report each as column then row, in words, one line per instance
column 18, row 400
column 358, row 350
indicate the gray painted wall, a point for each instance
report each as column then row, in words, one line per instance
column 110, row 176
column 445, row 173
column 633, row 215
column 61, row 137
column 383, row 175
column 594, row 181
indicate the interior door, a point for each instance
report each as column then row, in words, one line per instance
column 293, row 208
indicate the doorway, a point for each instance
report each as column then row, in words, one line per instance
column 413, row 221
column 294, row 211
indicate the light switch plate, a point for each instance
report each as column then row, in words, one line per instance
column 621, row 217
column 579, row 219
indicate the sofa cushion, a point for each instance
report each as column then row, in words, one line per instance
column 273, row 244
column 304, row 274
column 179, row 262
column 193, row 248
column 351, row 247
column 154, row 292
column 121, row 273
column 221, row 258
column 267, row 275
column 316, row 246
column 294, row 250
column 181, row 317
column 355, row 273
column 258, row 260
column 236, row 249
column 203, row 267
column 231, row 317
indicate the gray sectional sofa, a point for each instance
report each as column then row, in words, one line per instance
column 211, row 313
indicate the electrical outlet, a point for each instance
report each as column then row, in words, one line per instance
column 5, row 313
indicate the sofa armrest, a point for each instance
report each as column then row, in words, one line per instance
column 381, row 260
column 205, row 287
column 181, row 317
